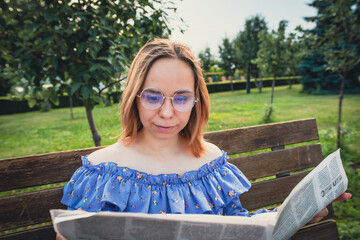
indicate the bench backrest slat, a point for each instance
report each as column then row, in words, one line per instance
column 41, row 233
column 249, row 139
column 323, row 231
column 41, row 169
column 29, row 208
column 265, row 164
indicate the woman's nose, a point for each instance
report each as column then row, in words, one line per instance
column 167, row 109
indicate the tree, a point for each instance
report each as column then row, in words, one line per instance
column 339, row 41
column 207, row 59
column 227, row 62
column 79, row 47
column 316, row 76
column 294, row 52
column 271, row 57
column 5, row 84
column 246, row 46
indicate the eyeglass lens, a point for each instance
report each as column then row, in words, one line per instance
column 152, row 99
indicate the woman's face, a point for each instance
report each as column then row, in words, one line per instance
column 169, row 76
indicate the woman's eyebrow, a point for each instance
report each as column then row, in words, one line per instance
column 153, row 90
column 183, row 91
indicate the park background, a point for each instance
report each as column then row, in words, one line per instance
column 49, row 61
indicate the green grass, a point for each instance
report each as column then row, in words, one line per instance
column 37, row 132
column 42, row 132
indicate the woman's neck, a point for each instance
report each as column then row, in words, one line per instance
column 160, row 147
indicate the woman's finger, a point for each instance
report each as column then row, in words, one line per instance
column 59, row 237
column 323, row 213
column 343, row 197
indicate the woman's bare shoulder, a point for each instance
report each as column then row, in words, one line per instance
column 212, row 153
column 111, row 153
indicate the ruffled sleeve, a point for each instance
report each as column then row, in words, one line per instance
column 212, row 189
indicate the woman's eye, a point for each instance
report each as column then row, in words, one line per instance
column 181, row 98
column 153, row 98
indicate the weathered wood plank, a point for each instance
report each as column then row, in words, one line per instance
column 282, row 161
column 64, row 164
column 40, row 169
column 326, row 230
column 41, row 233
column 271, row 191
column 29, row 208
column 264, row 136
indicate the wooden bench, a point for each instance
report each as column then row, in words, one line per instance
column 29, row 208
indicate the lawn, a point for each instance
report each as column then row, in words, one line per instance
column 37, row 132
column 42, row 132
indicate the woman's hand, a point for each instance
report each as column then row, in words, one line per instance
column 59, row 237
column 323, row 213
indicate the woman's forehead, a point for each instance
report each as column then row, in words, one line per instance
column 170, row 75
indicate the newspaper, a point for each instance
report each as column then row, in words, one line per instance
column 313, row 193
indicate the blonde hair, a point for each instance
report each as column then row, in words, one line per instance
column 148, row 54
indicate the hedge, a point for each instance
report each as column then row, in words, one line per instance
column 11, row 106
column 239, row 85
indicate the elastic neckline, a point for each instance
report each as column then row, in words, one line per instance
column 113, row 169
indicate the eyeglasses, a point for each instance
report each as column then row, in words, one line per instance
column 153, row 98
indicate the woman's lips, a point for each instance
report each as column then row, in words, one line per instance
column 164, row 128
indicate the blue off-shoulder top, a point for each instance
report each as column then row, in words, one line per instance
column 212, row 189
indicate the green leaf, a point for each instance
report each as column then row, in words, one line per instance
column 54, row 99
column 31, row 102
column 84, row 92
column 94, row 67
column 54, row 63
column 93, row 53
column 81, row 47
column 75, row 87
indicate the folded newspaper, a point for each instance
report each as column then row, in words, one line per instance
column 313, row 193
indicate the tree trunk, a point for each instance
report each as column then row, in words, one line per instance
column 290, row 83
column 47, row 105
column 341, row 96
column 248, row 80
column 271, row 97
column 71, row 107
column 231, row 85
column 95, row 134
column 258, row 83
